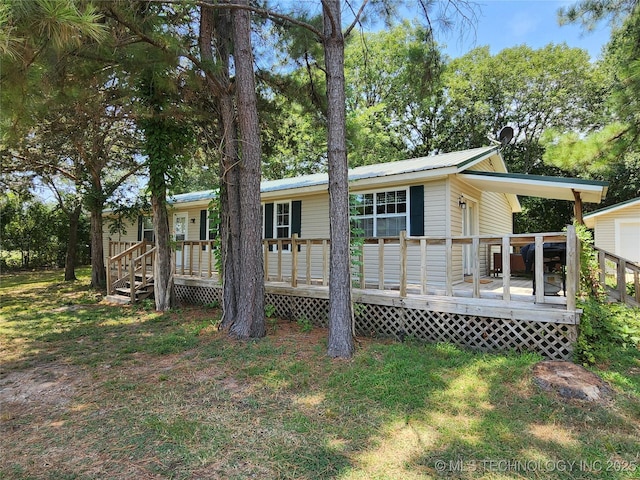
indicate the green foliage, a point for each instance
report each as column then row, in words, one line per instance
column 214, row 212
column 34, row 234
column 356, row 247
column 305, row 324
column 609, row 150
column 394, row 94
column 269, row 310
column 605, row 328
column 590, row 285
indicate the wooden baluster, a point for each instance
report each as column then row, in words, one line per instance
column 539, row 269
column 381, row 264
column 325, row 262
column 475, row 255
column 506, row 269
column 294, row 260
column 403, row 263
column 307, row 252
column 423, row 266
column 448, row 266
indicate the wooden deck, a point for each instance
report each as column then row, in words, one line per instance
column 486, row 312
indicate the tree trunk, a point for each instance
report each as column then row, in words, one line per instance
column 230, row 213
column 72, row 245
column 98, row 272
column 340, row 316
column 249, row 321
column 219, row 83
column 162, row 268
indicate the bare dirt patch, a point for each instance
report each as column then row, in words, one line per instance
column 571, row 381
column 50, row 384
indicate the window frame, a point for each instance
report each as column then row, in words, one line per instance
column 375, row 216
column 275, row 226
column 149, row 230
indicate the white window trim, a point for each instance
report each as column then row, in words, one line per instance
column 375, row 215
column 274, row 248
column 184, row 215
column 144, row 218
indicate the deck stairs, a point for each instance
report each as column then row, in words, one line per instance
column 142, row 290
column 129, row 274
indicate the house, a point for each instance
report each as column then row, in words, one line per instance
column 432, row 227
column 617, row 229
column 465, row 193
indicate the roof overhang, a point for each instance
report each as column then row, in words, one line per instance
column 558, row 188
column 590, row 220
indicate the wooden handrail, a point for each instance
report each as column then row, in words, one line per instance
column 282, row 253
column 133, row 248
column 622, row 266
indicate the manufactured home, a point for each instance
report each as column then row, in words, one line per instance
column 433, row 230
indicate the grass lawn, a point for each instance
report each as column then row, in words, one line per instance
column 91, row 391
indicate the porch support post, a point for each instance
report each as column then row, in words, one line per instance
column 577, row 207
column 573, row 269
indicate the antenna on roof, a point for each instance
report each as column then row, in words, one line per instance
column 505, row 135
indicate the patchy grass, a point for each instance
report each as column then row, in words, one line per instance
column 91, row 391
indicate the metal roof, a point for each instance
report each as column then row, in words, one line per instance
column 454, row 159
column 433, row 162
column 192, row 196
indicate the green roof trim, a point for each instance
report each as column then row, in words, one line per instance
column 484, row 154
column 613, row 207
column 538, row 178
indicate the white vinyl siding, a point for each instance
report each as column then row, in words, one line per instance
column 609, row 227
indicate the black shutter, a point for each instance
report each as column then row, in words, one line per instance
column 203, row 225
column 268, row 222
column 139, row 228
column 203, row 228
column 296, row 218
column 416, row 211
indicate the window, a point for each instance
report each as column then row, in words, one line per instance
column 380, row 214
column 147, row 229
column 283, row 220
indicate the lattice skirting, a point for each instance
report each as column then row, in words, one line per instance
column 552, row 340
column 196, row 295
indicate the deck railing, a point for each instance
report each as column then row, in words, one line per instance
column 136, row 260
column 427, row 265
column 620, row 277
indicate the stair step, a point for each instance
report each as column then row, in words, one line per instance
column 119, row 299
column 140, row 291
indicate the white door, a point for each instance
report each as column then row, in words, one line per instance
column 180, row 235
column 469, row 227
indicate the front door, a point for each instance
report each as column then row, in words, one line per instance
column 469, row 228
column 180, row 235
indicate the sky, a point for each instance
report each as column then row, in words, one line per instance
column 508, row 23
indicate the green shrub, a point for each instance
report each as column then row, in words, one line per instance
column 604, row 327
